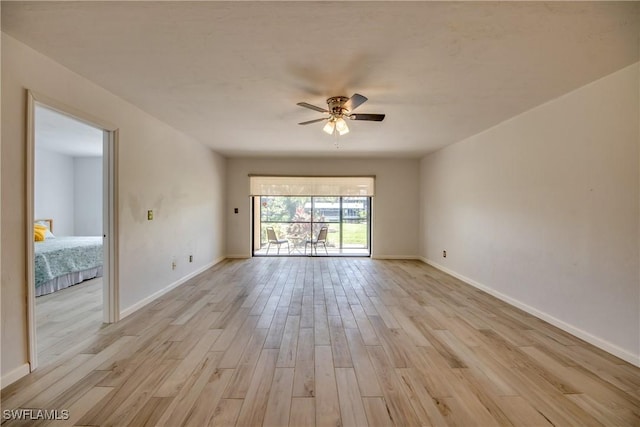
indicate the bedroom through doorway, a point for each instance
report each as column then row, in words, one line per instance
column 70, row 262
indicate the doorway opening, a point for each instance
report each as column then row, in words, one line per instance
column 72, row 288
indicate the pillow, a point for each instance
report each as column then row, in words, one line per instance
column 47, row 234
column 39, row 232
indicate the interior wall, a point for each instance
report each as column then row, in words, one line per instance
column 395, row 205
column 1, row 193
column 54, row 190
column 159, row 168
column 87, row 196
column 69, row 190
column 543, row 211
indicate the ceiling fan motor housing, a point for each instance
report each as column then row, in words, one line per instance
column 340, row 107
column 335, row 104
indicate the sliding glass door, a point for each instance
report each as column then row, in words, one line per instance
column 355, row 222
column 299, row 221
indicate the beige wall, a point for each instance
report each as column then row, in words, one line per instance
column 395, row 206
column 2, row 319
column 543, row 210
column 159, row 169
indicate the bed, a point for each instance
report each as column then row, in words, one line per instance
column 61, row 262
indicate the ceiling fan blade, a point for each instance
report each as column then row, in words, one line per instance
column 313, row 107
column 368, row 117
column 354, row 102
column 313, row 121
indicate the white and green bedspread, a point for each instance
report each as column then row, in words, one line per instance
column 62, row 256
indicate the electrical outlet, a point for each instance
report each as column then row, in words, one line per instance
column 173, row 265
column 444, row 254
column 190, row 258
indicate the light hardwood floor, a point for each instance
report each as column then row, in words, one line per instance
column 65, row 319
column 332, row 342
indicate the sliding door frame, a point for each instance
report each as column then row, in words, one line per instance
column 256, row 212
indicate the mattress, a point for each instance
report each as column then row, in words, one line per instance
column 64, row 261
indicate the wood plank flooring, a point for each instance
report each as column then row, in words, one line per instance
column 64, row 319
column 331, row 342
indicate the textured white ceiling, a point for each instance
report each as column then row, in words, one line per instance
column 230, row 73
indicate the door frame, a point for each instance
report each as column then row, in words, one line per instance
column 111, row 309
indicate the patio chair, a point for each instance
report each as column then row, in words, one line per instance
column 322, row 238
column 273, row 240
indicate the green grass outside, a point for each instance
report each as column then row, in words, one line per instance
column 354, row 234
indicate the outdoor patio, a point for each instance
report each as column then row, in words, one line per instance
column 285, row 226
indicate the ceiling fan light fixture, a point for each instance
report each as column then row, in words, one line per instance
column 341, row 126
column 329, row 127
column 339, row 109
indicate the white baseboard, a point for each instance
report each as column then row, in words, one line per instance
column 623, row 354
column 137, row 306
column 239, row 256
column 15, row 375
column 215, row 262
column 395, row 257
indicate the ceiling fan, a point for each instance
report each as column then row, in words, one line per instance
column 339, row 108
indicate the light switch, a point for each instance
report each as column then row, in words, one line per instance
column 149, row 215
column 235, row 210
